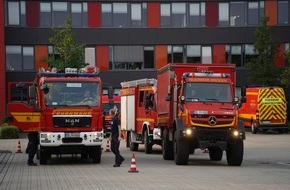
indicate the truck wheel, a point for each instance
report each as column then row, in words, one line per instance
column 215, row 153
column 235, row 153
column 42, row 156
column 133, row 146
column 148, row 145
column 167, row 147
column 253, row 128
column 96, row 153
column 181, row 153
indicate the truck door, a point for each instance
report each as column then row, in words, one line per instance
column 20, row 112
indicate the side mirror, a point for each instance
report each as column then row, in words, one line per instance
column 243, row 91
column 168, row 97
column 32, row 92
column 44, row 88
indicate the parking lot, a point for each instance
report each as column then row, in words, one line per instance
column 266, row 166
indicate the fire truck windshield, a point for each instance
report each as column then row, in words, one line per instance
column 214, row 92
column 72, row 94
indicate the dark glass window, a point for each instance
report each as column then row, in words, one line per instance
column 149, row 57
column 107, row 17
column 223, row 14
column 19, row 58
column 165, row 18
column 255, row 12
column 193, row 54
column 237, row 14
column 59, row 13
column 79, row 14
column 179, row 15
column 283, row 13
column 45, row 14
column 196, row 14
column 120, row 15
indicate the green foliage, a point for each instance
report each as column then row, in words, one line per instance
column 262, row 70
column 9, row 132
column 4, row 120
column 285, row 76
column 70, row 53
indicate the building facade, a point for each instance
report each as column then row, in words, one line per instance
column 132, row 39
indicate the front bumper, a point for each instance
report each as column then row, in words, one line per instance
column 71, row 138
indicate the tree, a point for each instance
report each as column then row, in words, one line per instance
column 285, row 76
column 70, row 53
column 262, row 69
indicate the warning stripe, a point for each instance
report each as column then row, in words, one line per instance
column 275, row 110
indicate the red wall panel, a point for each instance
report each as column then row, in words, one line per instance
column 280, row 62
column 32, row 13
column 2, row 65
column 219, row 53
column 271, row 11
column 102, row 53
column 40, row 53
column 94, row 14
column 153, row 15
column 160, row 56
column 211, row 14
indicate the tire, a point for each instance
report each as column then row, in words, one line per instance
column 181, row 153
column 215, row 153
column 253, row 129
column 147, row 143
column 167, row 147
column 133, row 146
column 42, row 156
column 96, row 153
column 235, row 153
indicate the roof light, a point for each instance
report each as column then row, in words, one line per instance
column 206, row 74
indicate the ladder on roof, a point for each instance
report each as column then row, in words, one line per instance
column 140, row 82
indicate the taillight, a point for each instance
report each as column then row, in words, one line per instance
column 257, row 115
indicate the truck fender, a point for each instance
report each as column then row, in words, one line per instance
column 178, row 126
column 146, row 126
column 241, row 128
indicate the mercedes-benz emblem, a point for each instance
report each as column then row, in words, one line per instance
column 212, row 120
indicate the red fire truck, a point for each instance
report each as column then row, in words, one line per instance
column 139, row 116
column 107, row 105
column 67, row 122
column 196, row 109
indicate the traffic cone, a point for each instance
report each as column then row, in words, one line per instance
column 108, row 146
column 19, row 148
column 133, row 168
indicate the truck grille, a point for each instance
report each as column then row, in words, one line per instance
column 205, row 119
column 72, row 121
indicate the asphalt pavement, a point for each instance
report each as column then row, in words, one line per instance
column 266, row 166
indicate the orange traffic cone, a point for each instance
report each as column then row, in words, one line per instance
column 19, row 148
column 108, row 146
column 133, row 168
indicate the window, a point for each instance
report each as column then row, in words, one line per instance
column 136, row 15
column 120, row 15
column 234, row 54
column 165, row 18
column 206, row 54
column 196, row 14
column 16, row 13
column 107, row 17
column 79, row 14
column 193, row 54
column 149, row 57
column 237, row 14
column 255, row 11
column 223, row 14
column 178, row 15
column 19, row 58
column 59, row 13
column 45, row 14
column 249, row 53
column 283, row 13
column 127, row 57
column 90, row 56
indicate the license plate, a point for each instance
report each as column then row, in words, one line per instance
column 72, row 135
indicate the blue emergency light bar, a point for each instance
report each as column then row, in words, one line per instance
column 69, row 75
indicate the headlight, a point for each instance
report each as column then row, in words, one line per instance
column 188, row 132
column 236, row 133
column 98, row 135
column 46, row 136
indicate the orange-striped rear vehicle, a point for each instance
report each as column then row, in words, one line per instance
column 265, row 109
